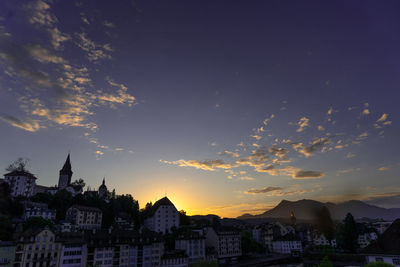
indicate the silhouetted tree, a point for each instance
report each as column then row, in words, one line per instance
column 325, row 262
column 183, row 218
column 18, row 165
column 325, row 223
column 249, row 245
column 61, row 202
column 42, row 197
column 80, row 182
column 349, row 234
column 38, row 222
column 5, row 228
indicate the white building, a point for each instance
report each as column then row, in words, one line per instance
column 193, row 243
column 22, row 183
column 176, row 258
column 227, row 243
column 163, row 216
column 386, row 248
column 365, row 239
column 287, row 245
column 73, row 250
column 321, row 240
column 84, row 217
column 42, row 212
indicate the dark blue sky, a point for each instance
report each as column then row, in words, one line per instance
column 226, row 106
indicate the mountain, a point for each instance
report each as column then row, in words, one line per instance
column 306, row 209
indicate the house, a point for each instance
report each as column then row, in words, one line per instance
column 387, row 247
column 321, row 240
column 84, row 217
column 227, row 243
column 366, row 238
column 7, row 253
column 175, row 258
column 22, row 183
column 288, row 244
column 42, row 212
column 193, row 243
column 37, row 247
column 163, row 216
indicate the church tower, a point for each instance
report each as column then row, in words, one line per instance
column 103, row 189
column 65, row 174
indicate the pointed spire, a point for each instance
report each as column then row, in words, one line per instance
column 104, row 181
column 67, row 164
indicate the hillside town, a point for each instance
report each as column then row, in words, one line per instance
column 66, row 225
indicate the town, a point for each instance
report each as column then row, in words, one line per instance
column 66, row 225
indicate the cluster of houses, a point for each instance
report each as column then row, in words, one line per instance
column 79, row 240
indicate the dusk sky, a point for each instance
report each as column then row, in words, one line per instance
column 226, row 107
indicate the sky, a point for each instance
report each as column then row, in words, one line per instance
column 226, row 107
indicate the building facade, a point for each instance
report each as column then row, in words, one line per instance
column 84, row 217
column 22, row 183
column 163, row 216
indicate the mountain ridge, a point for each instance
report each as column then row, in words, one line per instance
column 306, row 209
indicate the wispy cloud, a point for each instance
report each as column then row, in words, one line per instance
column 30, row 126
column 208, row 165
column 263, row 190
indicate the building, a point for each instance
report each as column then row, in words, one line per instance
column 37, row 247
column 73, row 250
column 64, row 180
column 42, row 212
column 227, row 243
column 193, row 243
column 365, row 239
column 287, row 244
column 321, row 240
column 7, row 253
column 103, row 191
column 84, row 217
column 386, row 248
column 163, row 216
column 22, row 183
column 175, row 258
column 116, row 247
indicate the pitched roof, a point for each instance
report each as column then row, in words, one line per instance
column 388, row 243
column 20, row 173
column 161, row 202
column 85, row 208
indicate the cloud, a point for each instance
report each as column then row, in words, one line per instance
column 267, row 120
column 263, row 190
column 303, row 123
column 278, row 152
column 348, row 170
column 383, row 169
column 350, row 155
column 315, row 145
column 383, row 117
column 40, row 13
column 208, row 165
column 95, row 52
column 330, row 111
column 30, row 126
column 246, row 178
column 109, row 24
column 302, row 174
column 366, row 112
column 229, row 153
column 320, row 128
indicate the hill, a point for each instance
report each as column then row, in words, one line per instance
column 306, row 209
